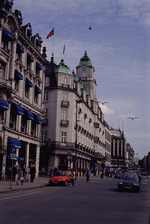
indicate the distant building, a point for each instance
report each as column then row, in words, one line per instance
column 130, row 152
column 22, row 71
column 118, row 153
column 65, row 93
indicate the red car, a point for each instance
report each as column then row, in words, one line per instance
column 61, row 178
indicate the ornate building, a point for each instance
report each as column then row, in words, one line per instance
column 22, row 71
column 73, row 131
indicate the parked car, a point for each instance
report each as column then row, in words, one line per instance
column 143, row 173
column 60, row 178
column 118, row 175
column 129, row 180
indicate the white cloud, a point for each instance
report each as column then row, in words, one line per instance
column 106, row 109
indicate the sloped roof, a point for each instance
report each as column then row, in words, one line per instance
column 85, row 60
column 62, row 68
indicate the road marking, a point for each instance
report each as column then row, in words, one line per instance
column 17, row 196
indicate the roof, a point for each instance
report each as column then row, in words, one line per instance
column 62, row 68
column 85, row 60
column 75, row 77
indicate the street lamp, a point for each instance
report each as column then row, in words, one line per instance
column 77, row 101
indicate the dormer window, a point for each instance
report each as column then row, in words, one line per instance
column 29, row 32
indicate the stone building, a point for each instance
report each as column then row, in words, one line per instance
column 118, row 149
column 22, row 71
column 73, row 131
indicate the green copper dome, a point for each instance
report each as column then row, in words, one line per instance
column 85, row 60
column 62, row 68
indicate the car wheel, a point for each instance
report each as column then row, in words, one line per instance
column 66, row 183
column 120, row 189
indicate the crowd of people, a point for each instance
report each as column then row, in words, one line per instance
column 21, row 173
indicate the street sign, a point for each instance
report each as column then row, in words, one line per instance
column 13, row 150
column 13, row 158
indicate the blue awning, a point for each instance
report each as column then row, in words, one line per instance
column 29, row 56
column 38, row 42
column 38, row 66
column 29, row 83
column 28, row 114
column 29, row 32
column 38, row 90
column 20, row 20
column 18, row 109
column 18, row 75
column 38, row 119
column 2, row 62
column 20, row 48
column 3, row 104
column 14, row 142
column 106, row 167
column 7, row 35
column 9, row 4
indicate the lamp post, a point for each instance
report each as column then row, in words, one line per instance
column 77, row 101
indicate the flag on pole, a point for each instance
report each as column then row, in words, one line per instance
column 50, row 34
column 64, row 49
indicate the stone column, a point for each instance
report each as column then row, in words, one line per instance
column 27, row 155
column 37, row 160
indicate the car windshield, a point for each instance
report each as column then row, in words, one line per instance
column 129, row 176
column 60, row 174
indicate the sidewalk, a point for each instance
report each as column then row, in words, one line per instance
column 39, row 182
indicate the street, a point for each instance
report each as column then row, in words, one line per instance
column 95, row 202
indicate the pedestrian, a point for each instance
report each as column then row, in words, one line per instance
column 73, row 177
column 27, row 173
column 51, row 172
column 87, row 174
column 20, row 177
column 43, row 171
column 55, row 170
column 32, row 172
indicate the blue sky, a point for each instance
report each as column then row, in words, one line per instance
column 118, row 46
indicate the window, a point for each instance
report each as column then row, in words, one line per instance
column 33, row 128
column 65, row 96
column 47, row 81
column 12, row 119
column 64, row 114
column 27, row 91
column 46, row 96
column 46, row 114
column 2, row 68
column 23, row 124
column 2, row 72
column 65, row 80
column 44, row 136
column 63, row 137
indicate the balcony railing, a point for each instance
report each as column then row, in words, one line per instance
column 65, row 104
column 96, row 125
column 64, row 123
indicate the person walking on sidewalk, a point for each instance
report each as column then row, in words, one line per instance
column 72, row 176
column 32, row 172
column 27, row 171
column 87, row 174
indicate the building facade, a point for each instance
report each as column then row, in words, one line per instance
column 118, row 149
column 73, row 131
column 22, row 71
